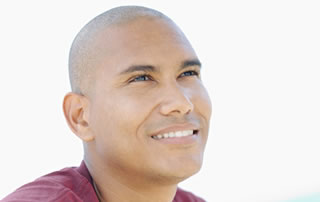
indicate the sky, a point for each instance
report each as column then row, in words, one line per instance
column 261, row 67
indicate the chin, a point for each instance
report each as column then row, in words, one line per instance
column 189, row 171
column 181, row 172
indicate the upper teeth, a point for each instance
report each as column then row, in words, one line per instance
column 174, row 134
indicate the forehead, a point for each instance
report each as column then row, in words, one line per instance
column 147, row 41
column 146, row 31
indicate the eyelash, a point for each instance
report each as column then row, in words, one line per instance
column 149, row 78
column 134, row 79
column 193, row 73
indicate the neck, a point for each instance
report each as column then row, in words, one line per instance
column 113, row 188
column 126, row 194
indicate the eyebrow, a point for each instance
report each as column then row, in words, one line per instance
column 188, row 63
column 136, row 68
column 150, row 68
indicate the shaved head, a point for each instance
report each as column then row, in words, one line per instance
column 85, row 51
column 138, row 104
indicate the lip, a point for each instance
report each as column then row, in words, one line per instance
column 186, row 140
column 175, row 128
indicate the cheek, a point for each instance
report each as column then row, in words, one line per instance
column 116, row 124
column 201, row 100
column 119, row 116
column 206, row 102
column 134, row 107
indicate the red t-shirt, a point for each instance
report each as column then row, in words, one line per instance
column 71, row 185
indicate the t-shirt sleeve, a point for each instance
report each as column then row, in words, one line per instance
column 42, row 191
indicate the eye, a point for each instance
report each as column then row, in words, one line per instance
column 189, row 73
column 140, row 78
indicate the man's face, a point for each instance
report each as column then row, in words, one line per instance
column 146, row 89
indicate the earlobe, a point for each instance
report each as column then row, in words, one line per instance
column 76, row 110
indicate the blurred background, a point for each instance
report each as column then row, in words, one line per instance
column 261, row 64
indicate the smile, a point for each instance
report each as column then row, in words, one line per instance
column 175, row 134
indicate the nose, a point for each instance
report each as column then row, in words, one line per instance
column 175, row 101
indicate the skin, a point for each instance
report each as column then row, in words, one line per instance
column 123, row 109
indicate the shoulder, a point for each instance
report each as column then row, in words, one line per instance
column 64, row 185
column 185, row 196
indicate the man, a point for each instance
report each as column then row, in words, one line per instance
column 140, row 108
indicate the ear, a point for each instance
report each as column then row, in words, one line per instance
column 76, row 112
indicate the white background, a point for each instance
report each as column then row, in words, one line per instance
column 261, row 67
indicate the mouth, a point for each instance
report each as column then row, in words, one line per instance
column 176, row 134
